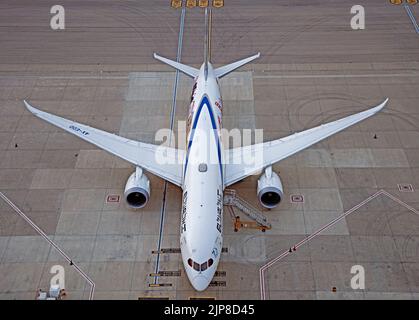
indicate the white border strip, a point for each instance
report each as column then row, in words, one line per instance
column 412, row 17
column 52, row 243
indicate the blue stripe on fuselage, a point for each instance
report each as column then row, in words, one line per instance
column 204, row 101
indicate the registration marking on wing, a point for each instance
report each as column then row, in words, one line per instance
column 72, row 127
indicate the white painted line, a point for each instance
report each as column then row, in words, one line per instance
column 52, row 243
column 65, row 77
column 412, row 17
column 172, row 121
column 85, row 77
column 256, row 76
column 324, row 228
column 401, row 202
column 319, row 76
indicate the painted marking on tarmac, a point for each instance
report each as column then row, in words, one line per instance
column 257, row 76
column 172, row 121
column 412, row 17
column 405, row 187
column 52, row 243
column 62, row 77
column 297, row 198
column 113, row 198
column 293, row 248
column 313, row 76
column 85, row 77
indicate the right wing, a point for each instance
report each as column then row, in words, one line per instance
column 244, row 161
column 225, row 70
column 162, row 161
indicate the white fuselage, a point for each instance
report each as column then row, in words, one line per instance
column 203, row 185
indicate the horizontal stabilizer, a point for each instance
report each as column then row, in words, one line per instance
column 224, row 70
column 190, row 71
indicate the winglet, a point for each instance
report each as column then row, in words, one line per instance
column 379, row 107
column 383, row 104
column 30, row 108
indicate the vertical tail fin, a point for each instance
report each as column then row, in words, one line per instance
column 207, row 43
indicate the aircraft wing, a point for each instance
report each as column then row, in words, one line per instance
column 162, row 161
column 244, row 161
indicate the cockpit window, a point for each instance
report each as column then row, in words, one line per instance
column 202, row 167
column 200, row 267
column 204, row 266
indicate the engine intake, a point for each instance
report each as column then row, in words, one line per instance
column 270, row 190
column 137, row 189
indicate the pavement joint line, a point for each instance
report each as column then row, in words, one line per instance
column 411, row 16
column 52, row 243
column 325, row 227
column 172, row 121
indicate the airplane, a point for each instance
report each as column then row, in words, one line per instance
column 205, row 168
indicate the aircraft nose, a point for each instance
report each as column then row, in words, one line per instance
column 200, row 283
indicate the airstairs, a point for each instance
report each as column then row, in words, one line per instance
column 231, row 199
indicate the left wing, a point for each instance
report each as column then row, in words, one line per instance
column 244, row 161
column 162, row 161
column 190, row 71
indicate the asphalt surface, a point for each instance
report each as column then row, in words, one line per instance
column 314, row 68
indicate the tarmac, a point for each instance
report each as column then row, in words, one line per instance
column 313, row 69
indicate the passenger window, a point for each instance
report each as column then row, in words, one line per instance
column 202, row 167
column 204, row 266
column 196, row 266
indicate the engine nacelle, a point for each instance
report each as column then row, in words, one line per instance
column 270, row 190
column 137, row 189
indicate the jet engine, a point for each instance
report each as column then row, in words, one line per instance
column 137, row 189
column 270, row 190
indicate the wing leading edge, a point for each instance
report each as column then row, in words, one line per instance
column 244, row 161
column 162, row 161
